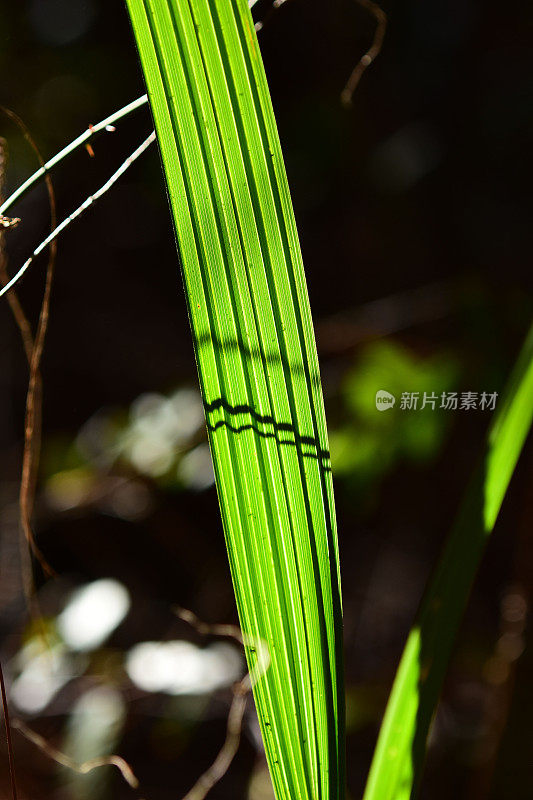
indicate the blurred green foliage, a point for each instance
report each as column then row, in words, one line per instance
column 369, row 442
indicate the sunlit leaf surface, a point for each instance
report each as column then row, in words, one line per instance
column 258, row 369
column 398, row 760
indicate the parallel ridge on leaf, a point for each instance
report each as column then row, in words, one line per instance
column 258, row 370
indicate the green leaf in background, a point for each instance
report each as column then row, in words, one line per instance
column 398, row 760
column 367, row 443
column 258, row 370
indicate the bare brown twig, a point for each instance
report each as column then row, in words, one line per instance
column 11, row 759
column 260, row 647
column 370, row 55
column 32, row 424
column 260, row 24
column 227, row 752
column 12, row 298
column 65, row 761
column 229, row 631
column 8, row 222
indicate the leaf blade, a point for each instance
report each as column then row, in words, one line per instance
column 258, row 370
column 398, row 759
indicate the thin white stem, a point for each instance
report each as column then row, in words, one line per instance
column 80, row 210
column 78, row 142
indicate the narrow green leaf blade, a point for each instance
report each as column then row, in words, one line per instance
column 399, row 756
column 258, row 371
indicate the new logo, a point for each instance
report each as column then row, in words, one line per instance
column 384, row 400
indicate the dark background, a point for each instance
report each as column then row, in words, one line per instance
column 416, row 197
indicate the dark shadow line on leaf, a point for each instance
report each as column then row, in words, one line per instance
column 299, row 440
column 293, row 367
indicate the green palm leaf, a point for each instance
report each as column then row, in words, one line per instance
column 399, row 756
column 258, row 370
